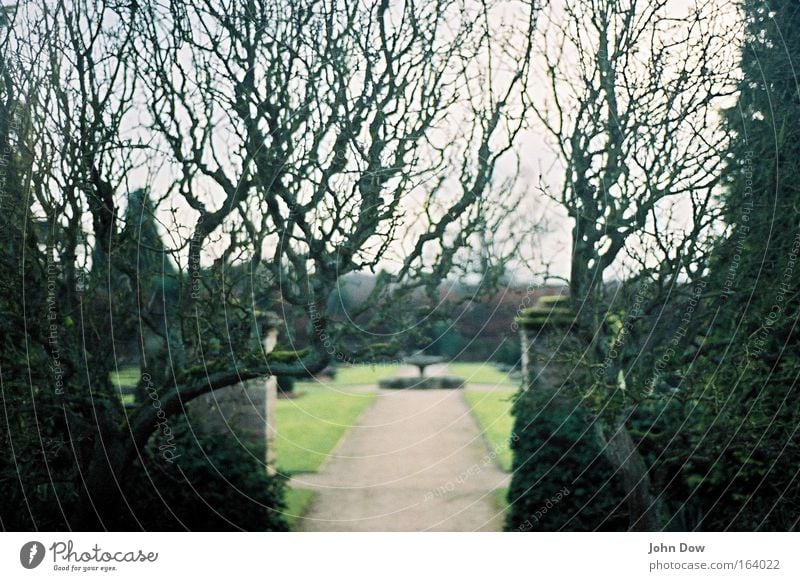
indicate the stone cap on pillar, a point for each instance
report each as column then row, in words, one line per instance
column 549, row 312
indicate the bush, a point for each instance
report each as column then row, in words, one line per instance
column 560, row 481
column 443, row 382
column 447, row 341
column 215, row 483
column 509, row 353
column 285, row 384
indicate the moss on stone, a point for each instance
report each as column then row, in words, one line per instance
column 549, row 311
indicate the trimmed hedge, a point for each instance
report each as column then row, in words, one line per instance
column 560, row 480
column 439, row 382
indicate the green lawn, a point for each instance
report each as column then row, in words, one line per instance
column 311, row 425
column 126, row 377
column 485, row 373
column 501, row 500
column 492, row 410
column 358, row 375
column 297, row 503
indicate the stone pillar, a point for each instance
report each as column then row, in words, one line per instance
column 525, row 359
column 245, row 411
column 271, row 400
column 542, row 331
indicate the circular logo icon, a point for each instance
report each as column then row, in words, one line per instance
column 31, row 554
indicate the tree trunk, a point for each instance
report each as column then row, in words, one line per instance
column 623, row 455
column 104, row 504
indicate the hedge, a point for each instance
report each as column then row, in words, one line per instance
column 560, row 479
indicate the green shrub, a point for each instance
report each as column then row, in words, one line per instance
column 560, row 480
column 446, row 341
column 712, row 474
column 215, row 483
column 285, row 384
column 509, row 353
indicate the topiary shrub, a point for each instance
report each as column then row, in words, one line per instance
column 438, row 382
column 560, row 479
column 214, row 483
column 285, row 384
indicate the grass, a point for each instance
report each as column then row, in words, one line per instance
column 492, row 410
column 501, row 500
column 359, row 375
column 485, row 373
column 310, row 426
column 297, row 502
column 126, row 377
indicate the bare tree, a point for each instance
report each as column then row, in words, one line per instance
column 633, row 91
column 196, row 164
column 308, row 138
column 67, row 72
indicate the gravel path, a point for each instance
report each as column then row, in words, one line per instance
column 415, row 462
